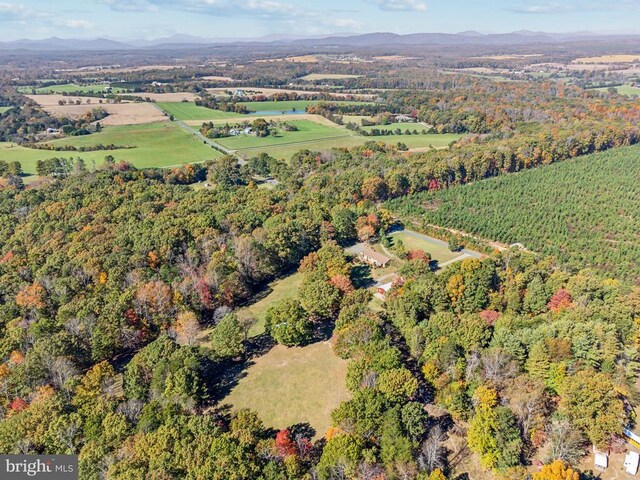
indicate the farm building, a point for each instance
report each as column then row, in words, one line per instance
column 631, row 463
column 384, row 289
column 404, row 118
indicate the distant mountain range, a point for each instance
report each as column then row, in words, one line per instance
column 343, row 40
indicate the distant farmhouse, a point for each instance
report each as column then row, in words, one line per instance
column 404, row 118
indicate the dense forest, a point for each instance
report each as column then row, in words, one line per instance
column 107, row 277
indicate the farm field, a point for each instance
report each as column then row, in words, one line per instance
column 328, row 76
column 4, row 109
column 299, row 105
column 191, row 111
column 622, row 58
column 278, row 290
column 308, row 131
column 438, row 250
column 393, row 126
column 623, row 90
column 70, row 87
column 288, row 386
column 285, row 152
column 157, row 145
column 582, row 211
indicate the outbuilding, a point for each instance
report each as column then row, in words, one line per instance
column 631, row 462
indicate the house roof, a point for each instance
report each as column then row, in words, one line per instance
column 375, row 256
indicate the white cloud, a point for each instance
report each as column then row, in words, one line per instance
column 401, row 5
column 80, row 24
column 574, row 6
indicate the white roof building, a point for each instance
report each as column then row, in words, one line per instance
column 631, row 462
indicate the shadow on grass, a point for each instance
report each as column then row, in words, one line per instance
column 361, row 276
column 224, row 376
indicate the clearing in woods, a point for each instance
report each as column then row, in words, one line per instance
column 288, row 386
column 436, row 249
column 278, row 290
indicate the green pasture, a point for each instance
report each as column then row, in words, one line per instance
column 308, row 131
column 156, row 145
column 190, row 111
column 72, row 88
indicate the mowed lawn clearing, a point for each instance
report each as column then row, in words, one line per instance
column 288, row 386
column 278, row 290
column 308, row 131
column 156, row 145
column 437, row 249
column 191, row 111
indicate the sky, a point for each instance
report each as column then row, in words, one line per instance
column 147, row 19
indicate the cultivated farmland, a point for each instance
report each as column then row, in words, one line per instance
column 583, row 211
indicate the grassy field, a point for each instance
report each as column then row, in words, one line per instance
column 4, row 109
column 299, row 105
column 616, row 58
column 393, row 126
column 285, row 152
column 328, row 76
column 308, row 131
column 437, row 250
column 584, row 211
column 70, row 87
column 191, row 111
column 623, row 90
column 157, row 145
column 288, row 386
column 279, row 290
